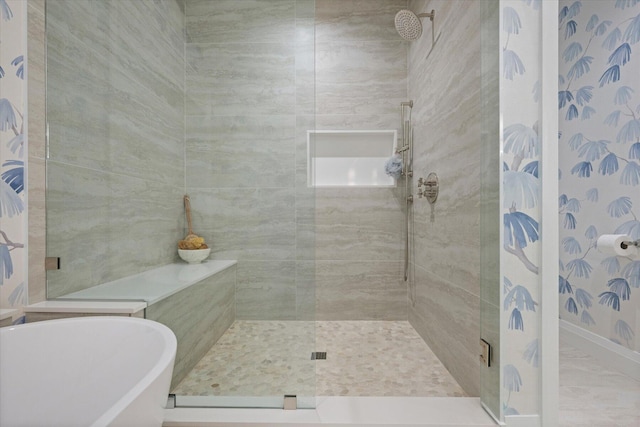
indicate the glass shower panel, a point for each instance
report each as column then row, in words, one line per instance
column 249, row 99
column 490, row 206
column 148, row 101
column 115, row 112
column 79, row 185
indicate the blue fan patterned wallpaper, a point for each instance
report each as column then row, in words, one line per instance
column 520, row 41
column 12, row 150
column 599, row 148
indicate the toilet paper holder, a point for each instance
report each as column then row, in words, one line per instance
column 626, row 244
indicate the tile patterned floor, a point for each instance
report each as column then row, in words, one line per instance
column 593, row 395
column 364, row 358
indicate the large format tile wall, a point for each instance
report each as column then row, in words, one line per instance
column 444, row 302
column 198, row 315
column 490, row 221
column 36, row 147
column 361, row 79
column 116, row 117
column 241, row 64
column 249, row 103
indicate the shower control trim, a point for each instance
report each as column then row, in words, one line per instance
column 432, row 188
column 429, row 187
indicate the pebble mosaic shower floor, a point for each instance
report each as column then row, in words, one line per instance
column 364, row 358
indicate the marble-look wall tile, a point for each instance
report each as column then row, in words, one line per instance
column 240, row 21
column 36, row 83
column 381, row 120
column 115, row 78
column 355, row 235
column 266, row 290
column 305, row 66
column 240, row 78
column 36, row 147
column 304, row 124
column 77, row 80
column 231, row 73
column 490, row 217
column 77, row 227
column 249, row 68
column 111, row 32
column 305, row 9
column 246, row 224
column 198, row 316
column 94, row 73
column 107, row 226
column 446, row 90
column 339, row 20
column 164, row 22
column 360, row 290
column 374, row 214
column 37, row 229
column 146, row 221
column 37, row 5
column 240, row 151
column 447, row 318
column 354, row 224
column 448, row 244
column 166, row 17
column 360, row 77
column 84, row 129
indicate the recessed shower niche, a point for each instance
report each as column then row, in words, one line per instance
column 355, row 158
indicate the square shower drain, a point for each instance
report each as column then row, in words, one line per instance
column 319, row 355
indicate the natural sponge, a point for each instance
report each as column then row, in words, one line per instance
column 191, row 241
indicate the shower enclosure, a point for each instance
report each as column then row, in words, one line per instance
column 148, row 101
column 230, row 101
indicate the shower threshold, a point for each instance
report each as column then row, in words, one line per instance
column 344, row 411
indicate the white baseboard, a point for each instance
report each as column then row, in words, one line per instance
column 610, row 354
column 522, row 420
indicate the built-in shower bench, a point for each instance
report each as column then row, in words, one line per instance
column 196, row 301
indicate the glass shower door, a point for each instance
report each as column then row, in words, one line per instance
column 249, row 102
column 149, row 101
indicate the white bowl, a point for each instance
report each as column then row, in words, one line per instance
column 194, row 256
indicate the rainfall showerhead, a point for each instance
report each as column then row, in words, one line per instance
column 409, row 26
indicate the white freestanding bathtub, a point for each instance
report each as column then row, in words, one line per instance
column 86, row 371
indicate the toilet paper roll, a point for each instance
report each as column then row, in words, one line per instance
column 611, row 244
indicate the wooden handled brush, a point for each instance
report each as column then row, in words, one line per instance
column 187, row 209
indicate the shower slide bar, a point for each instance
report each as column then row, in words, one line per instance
column 407, row 172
